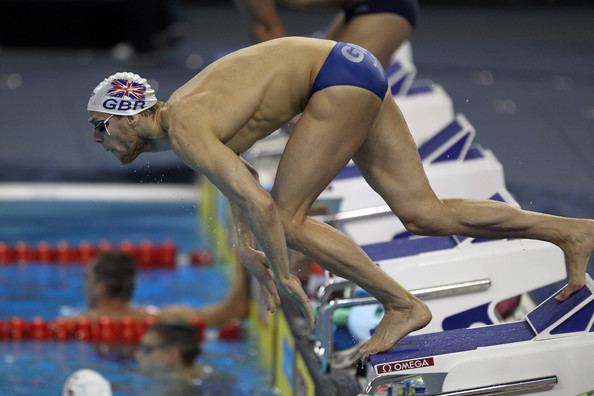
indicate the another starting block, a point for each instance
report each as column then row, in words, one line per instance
column 401, row 75
column 550, row 352
column 425, row 97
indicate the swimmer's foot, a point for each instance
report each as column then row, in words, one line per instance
column 395, row 324
column 578, row 248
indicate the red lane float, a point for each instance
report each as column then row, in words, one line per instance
column 146, row 253
column 106, row 330
column 230, row 330
column 6, row 253
column 200, row 258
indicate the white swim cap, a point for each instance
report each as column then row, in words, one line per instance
column 86, row 382
column 123, row 94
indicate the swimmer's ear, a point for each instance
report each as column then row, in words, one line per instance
column 133, row 120
column 102, row 288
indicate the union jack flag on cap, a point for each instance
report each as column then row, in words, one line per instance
column 124, row 88
column 123, row 94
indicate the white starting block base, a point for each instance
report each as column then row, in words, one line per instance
column 426, row 108
column 554, row 345
column 404, row 53
column 513, row 267
column 509, row 267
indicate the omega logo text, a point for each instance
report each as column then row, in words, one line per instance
column 403, row 365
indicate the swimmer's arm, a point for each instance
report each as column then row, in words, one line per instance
column 206, row 154
column 245, row 238
column 264, row 21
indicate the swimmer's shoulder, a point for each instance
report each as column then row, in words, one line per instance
column 194, row 111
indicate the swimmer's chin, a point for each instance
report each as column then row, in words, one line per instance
column 127, row 158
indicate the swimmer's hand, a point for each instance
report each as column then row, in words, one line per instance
column 257, row 265
column 293, row 290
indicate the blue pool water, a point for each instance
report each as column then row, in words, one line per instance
column 40, row 369
column 50, row 290
column 96, row 221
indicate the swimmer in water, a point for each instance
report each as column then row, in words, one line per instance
column 167, row 353
column 110, row 280
column 347, row 112
column 109, row 284
column 170, row 349
column 379, row 26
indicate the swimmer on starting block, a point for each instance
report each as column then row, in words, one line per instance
column 347, row 112
column 380, row 26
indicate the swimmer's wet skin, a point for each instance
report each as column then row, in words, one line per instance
column 347, row 113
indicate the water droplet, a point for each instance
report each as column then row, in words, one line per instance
column 505, row 106
column 14, row 81
column 562, row 82
column 194, row 61
column 484, row 77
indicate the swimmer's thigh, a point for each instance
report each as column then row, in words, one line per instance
column 333, row 126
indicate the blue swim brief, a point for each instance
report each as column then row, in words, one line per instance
column 349, row 64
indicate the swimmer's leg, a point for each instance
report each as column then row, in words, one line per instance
column 334, row 124
column 390, row 163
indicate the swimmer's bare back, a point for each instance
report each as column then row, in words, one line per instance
column 250, row 93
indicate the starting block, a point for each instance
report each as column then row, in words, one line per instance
column 454, row 166
column 461, row 283
column 460, row 279
column 511, row 267
column 548, row 353
column 400, row 75
column 422, row 98
column 403, row 53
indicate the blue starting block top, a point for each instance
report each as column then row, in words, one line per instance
column 437, row 141
column 420, row 87
column 404, row 247
column 452, row 341
column 541, row 318
column 552, row 310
